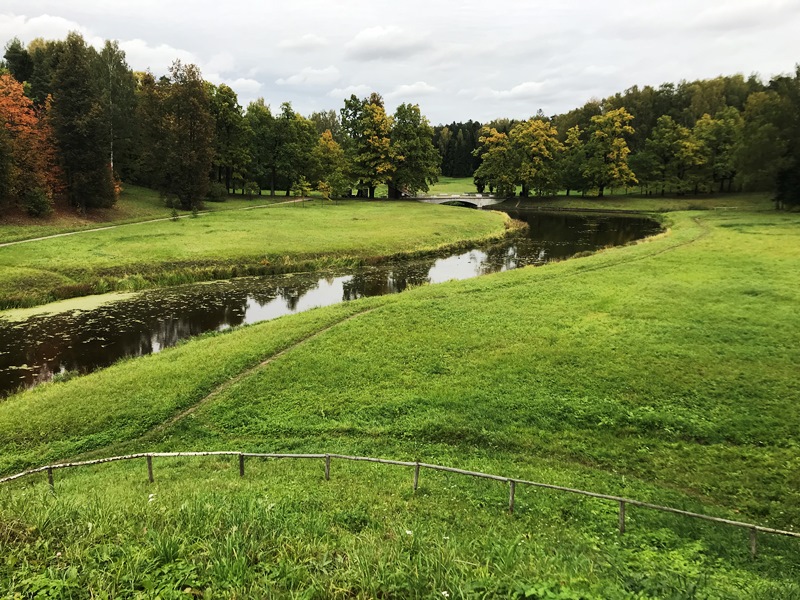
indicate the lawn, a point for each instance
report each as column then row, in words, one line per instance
column 135, row 204
column 664, row 371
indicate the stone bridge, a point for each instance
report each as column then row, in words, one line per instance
column 476, row 200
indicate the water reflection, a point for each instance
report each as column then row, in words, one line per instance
column 35, row 350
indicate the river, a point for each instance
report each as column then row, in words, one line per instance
column 45, row 346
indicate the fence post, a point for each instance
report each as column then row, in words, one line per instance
column 621, row 517
column 50, row 479
column 150, row 468
column 241, row 465
column 753, row 546
column 327, row 467
column 511, row 492
column 416, row 476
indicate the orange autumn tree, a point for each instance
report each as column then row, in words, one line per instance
column 33, row 177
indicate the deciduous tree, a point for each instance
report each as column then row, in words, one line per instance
column 607, row 151
column 536, row 143
column 572, row 159
column 720, row 138
column 330, row 167
column 417, row 163
column 118, row 97
column 31, row 175
column 499, row 162
column 369, row 149
column 189, row 132
column 232, row 143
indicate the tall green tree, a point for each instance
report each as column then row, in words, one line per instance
column 764, row 151
column 330, row 167
column 571, row 162
column 536, row 143
column 294, row 154
column 282, row 146
column 232, row 143
column 189, row 137
column 263, row 145
column 369, row 148
column 81, row 127
column 787, row 185
column 328, row 120
column 500, row 162
column 720, row 138
column 607, row 151
column 43, row 55
column 149, row 124
column 417, row 163
column 18, row 60
column 118, row 91
column 671, row 153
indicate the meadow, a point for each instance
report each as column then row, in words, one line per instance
column 135, row 204
column 663, row 371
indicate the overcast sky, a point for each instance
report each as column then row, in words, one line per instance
column 457, row 60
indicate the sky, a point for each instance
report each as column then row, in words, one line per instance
column 459, row 60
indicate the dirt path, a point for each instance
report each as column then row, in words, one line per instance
column 161, row 427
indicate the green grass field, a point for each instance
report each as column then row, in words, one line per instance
column 134, row 205
column 231, row 242
column 664, row 371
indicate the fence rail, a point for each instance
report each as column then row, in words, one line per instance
column 417, row 466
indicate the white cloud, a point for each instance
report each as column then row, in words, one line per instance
column 361, row 91
column 523, row 91
column 553, row 56
column 304, row 43
column 310, row 76
column 141, row 56
column 420, row 88
column 732, row 16
column 46, row 26
column 390, row 42
column 221, row 63
column 245, row 87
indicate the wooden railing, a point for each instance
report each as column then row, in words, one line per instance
column 417, row 466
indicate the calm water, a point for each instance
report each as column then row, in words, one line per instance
column 35, row 350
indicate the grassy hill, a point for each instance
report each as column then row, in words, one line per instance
column 664, row 371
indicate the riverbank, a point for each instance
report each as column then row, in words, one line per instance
column 664, row 371
column 220, row 245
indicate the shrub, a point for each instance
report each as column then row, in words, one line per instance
column 217, row 192
column 37, row 203
column 251, row 188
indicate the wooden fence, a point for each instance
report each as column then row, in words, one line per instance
column 417, row 466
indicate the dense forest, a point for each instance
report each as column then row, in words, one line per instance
column 78, row 121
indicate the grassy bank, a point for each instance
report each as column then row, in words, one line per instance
column 664, row 371
column 230, row 243
column 135, row 204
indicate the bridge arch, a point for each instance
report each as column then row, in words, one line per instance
column 475, row 200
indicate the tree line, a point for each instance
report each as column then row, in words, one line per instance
column 721, row 135
column 76, row 121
